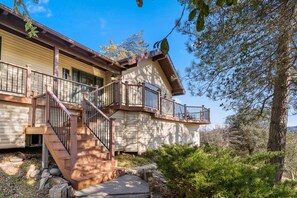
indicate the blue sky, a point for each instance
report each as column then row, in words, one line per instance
column 94, row 22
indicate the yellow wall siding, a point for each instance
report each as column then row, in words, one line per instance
column 148, row 71
column 69, row 63
column 14, row 118
column 20, row 51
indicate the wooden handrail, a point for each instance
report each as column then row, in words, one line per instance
column 13, row 65
column 99, row 111
column 63, row 79
column 100, row 88
column 60, row 104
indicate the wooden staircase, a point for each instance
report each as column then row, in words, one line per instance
column 83, row 151
column 92, row 165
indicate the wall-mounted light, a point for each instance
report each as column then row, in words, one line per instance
column 113, row 77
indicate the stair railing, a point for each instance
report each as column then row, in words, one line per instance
column 106, row 96
column 99, row 124
column 63, row 123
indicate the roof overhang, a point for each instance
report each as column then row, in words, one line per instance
column 47, row 37
column 166, row 65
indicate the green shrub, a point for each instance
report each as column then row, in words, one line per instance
column 213, row 172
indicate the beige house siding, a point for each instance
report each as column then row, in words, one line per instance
column 148, row 71
column 14, row 118
column 138, row 131
column 21, row 52
column 69, row 63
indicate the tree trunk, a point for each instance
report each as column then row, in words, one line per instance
column 279, row 111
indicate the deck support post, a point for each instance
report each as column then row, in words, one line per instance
column 44, row 153
column 111, row 138
column 119, row 93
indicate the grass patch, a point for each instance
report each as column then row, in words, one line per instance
column 130, row 161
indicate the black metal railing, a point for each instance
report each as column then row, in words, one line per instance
column 105, row 96
column 13, row 78
column 66, row 90
column 59, row 119
column 97, row 122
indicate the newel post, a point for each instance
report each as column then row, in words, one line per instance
column 84, row 109
column 127, row 93
column 173, row 109
column 28, row 82
column 159, row 103
column 73, row 139
column 34, row 104
column 96, row 96
column 143, row 94
column 47, row 117
column 202, row 113
column 119, row 93
column 111, row 138
column 185, row 112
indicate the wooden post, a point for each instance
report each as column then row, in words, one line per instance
column 96, row 96
column 111, row 138
column 159, row 103
column 202, row 113
column 173, row 110
column 44, row 147
column 185, row 112
column 56, row 62
column 143, row 95
column 127, row 93
column 29, row 80
column 73, row 139
column 119, row 93
column 34, row 106
column 84, row 108
column 44, row 163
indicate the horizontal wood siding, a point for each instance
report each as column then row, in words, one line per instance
column 69, row 63
column 14, row 118
column 21, row 52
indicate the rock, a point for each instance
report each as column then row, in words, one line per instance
column 59, row 191
column 16, row 159
column 70, row 191
column 21, row 155
column 42, row 185
column 55, row 171
column 45, row 174
column 34, row 174
column 30, row 169
column 56, row 181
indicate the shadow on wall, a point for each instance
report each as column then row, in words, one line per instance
column 147, row 72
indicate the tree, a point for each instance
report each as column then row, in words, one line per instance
column 247, row 58
column 132, row 46
column 247, row 133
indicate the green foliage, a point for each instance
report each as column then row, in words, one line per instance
column 19, row 7
column 133, row 45
column 213, row 172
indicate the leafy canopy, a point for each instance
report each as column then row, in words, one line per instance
column 132, row 46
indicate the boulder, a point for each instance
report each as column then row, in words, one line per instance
column 55, row 171
column 45, row 173
column 16, row 159
column 59, row 191
column 34, row 174
column 42, row 184
column 56, row 181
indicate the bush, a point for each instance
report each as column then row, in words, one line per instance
column 214, row 172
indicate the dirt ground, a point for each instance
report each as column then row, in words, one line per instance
column 14, row 178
